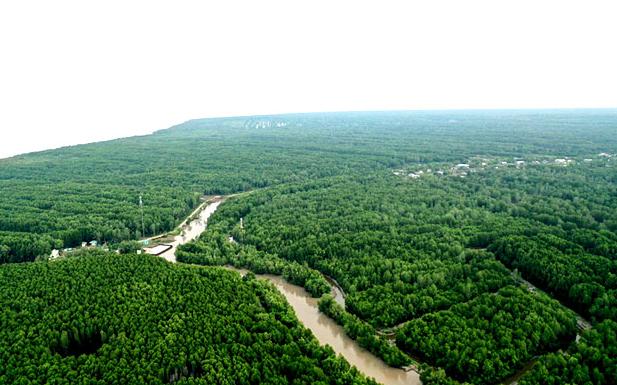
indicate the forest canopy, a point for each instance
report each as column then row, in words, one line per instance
column 108, row 319
column 91, row 192
column 448, row 231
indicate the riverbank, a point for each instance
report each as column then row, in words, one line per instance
column 191, row 230
column 328, row 332
column 324, row 328
column 306, row 308
column 192, row 216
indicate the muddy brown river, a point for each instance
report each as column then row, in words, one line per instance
column 330, row 333
column 324, row 328
column 191, row 230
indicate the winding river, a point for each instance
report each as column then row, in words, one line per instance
column 324, row 328
column 192, row 230
column 330, row 333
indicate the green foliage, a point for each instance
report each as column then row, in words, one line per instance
column 487, row 339
column 127, row 247
column 327, row 200
column 91, row 192
column 431, row 376
column 564, row 268
column 365, row 334
column 110, row 319
column 593, row 360
column 394, row 267
column 213, row 249
column 19, row 247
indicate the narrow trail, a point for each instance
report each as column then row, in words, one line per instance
column 337, row 291
column 582, row 323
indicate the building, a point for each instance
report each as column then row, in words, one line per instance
column 158, row 250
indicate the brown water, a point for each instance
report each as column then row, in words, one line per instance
column 330, row 333
column 324, row 328
column 191, row 231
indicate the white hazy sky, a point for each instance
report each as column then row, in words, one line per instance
column 80, row 71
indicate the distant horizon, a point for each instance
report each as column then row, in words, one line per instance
column 67, row 78
column 429, row 110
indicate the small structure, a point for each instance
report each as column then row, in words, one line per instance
column 93, row 243
column 413, row 175
column 158, row 250
column 462, row 165
column 84, row 244
column 561, row 161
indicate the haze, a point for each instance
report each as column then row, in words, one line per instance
column 74, row 71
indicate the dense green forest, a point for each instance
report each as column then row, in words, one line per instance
column 88, row 192
column 487, row 339
column 107, row 319
column 430, row 221
column 402, row 248
column 593, row 360
column 366, row 335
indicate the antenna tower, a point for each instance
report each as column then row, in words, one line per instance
column 141, row 208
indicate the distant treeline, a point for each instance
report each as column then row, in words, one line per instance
column 91, row 192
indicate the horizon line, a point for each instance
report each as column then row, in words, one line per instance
column 426, row 110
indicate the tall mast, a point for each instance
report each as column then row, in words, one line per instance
column 141, row 207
